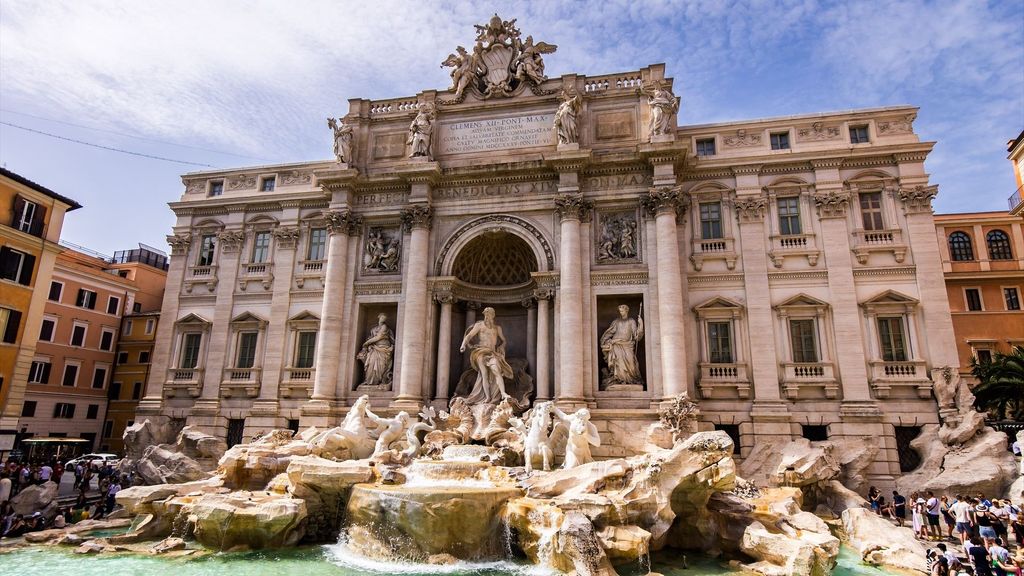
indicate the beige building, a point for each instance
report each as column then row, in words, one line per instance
column 31, row 217
column 78, row 333
column 786, row 267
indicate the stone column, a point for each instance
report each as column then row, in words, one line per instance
column 340, row 224
column 444, row 343
column 665, row 203
column 543, row 369
column 416, row 219
column 571, row 208
column 471, row 308
column 531, row 335
column 163, row 345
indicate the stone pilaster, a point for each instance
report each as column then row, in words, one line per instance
column 341, row 224
column 444, row 343
column 416, row 219
column 571, row 209
column 543, row 294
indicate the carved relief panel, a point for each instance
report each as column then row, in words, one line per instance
column 382, row 250
column 616, row 237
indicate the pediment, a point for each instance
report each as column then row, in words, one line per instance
column 304, row 316
column 719, row 302
column 193, row 318
column 802, row 300
column 247, row 317
column 891, row 297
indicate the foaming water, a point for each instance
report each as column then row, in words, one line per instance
column 421, row 482
column 342, row 555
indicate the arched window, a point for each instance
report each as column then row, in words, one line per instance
column 998, row 246
column 960, row 247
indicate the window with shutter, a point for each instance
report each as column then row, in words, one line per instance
column 10, row 320
column 16, row 266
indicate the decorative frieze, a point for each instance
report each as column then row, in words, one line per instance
column 741, row 139
column 383, row 250
column 818, row 132
column 750, row 209
column 295, row 178
column 417, row 216
column 195, row 187
column 573, row 207
column 832, row 204
column 179, row 244
column 624, row 278
column 618, row 240
column 230, row 241
column 286, row 237
column 904, row 125
column 917, row 199
column 242, row 182
column 378, row 288
column 342, row 222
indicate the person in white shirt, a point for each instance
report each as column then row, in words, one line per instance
column 5, row 488
column 961, row 511
column 45, row 472
column 933, row 509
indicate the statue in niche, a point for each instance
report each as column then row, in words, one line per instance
column 377, row 354
column 618, row 345
column 342, row 140
column 419, row 132
column 565, row 118
column 582, row 435
column 663, row 105
column 618, row 238
column 487, row 344
column 383, row 250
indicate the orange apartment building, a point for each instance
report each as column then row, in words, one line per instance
column 147, row 267
column 31, row 217
column 71, row 370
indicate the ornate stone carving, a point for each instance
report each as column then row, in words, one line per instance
column 818, row 131
column 444, row 297
column 377, row 355
column 383, row 251
column 486, row 342
column 342, row 140
column 286, row 237
column 572, row 206
column 294, row 177
column 420, row 129
column 751, row 209
column 664, row 104
column 565, row 118
column 663, row 199
column 917, row 199
column 499, row 64
column 742, row 138
column 342, row 222
column 619, row 238
column 195, row 187
column 417, row 216
column 680, row 416
column 901, row 126
column 832, row 204
column 618, row 347
column 544, row 293
column 230, row 240
column 179, row 244
column 242, row 182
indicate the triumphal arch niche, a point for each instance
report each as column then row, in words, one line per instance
column 524, row 237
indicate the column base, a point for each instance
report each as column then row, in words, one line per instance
column 770, row 410
column 410, row 404
column 570, row 403
column 859, row 409
column 206, row 407
column 316, row 413
column 266, row 407
column 149, row 406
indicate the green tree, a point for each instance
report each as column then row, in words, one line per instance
column 1000, row 391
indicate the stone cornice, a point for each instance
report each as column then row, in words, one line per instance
column 335, row 178
column 799, row 275
column 573, row 161
column 618, row 277
column 377, row 288
column 886, row 272
column 746, row 169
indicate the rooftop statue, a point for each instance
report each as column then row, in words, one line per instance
column 342, row 140
column 663, row 105
column 419, row 132
column 565, row 118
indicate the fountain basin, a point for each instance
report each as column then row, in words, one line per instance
column 445, row 470
column 413, row 523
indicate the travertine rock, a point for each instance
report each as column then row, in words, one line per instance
column 251, row 466
column 200, row 446
column 36, row 498
column 882, row 543
column 981, row 465
column 163, row 465
column 325, row 486
column 793, row 463
column 855, row 456
column 141, row 435
column 625, row 544
column 804, row 554
column 579, row 542
column 247, row 520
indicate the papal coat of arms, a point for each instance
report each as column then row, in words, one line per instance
column 500, row 63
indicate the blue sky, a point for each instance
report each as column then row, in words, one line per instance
column 232, row 83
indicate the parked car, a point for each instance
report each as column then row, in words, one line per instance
column 98, row 460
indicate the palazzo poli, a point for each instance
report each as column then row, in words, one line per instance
column 565, row 239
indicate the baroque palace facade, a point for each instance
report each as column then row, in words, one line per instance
column 783, row 272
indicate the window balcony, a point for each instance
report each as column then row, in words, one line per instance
column 184, row 382
column 310, row 269
column 1016, row 203
column 201, row 275
column 906, row 374
column 297, row 382
column 262, row 272
column 794, row 245
column 713, row 249
column 720, row 380
column 240, row 382
column 866, row 242
column 805, row 375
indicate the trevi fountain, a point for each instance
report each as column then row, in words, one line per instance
column 478, row 388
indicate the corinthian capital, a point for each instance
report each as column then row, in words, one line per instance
column 751, row 209
column 342, row 222
column 917, row 199
column 286, row 236
column 663, row 200
column 417, row 216
column 230, row 240
column 572, row 207
column 832, row 204
column 179, row 244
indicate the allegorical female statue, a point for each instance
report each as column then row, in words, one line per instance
column 663, row 105
column 342, row 140
column 618, row 344
column 565, row 119
column 420, row 130
column 377, row 354
column 487, row 344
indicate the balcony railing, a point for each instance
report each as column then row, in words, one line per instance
column 797, row 375
column 244, row 382
column 203, row 272
column 297, row 382
column 184, row 382
column 1015, row 201
column 910, row 373
column 312, row 266
column 720, row 376
column 793, row 245
column 257, row 269
column 713, row 249
column 867, row 241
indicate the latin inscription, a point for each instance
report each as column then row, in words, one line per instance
column 617, row 182
column 508, row 190
column 380, row 198
column 497, row 134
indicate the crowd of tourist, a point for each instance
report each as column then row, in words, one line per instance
column 15, row 477
column 974, row 535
